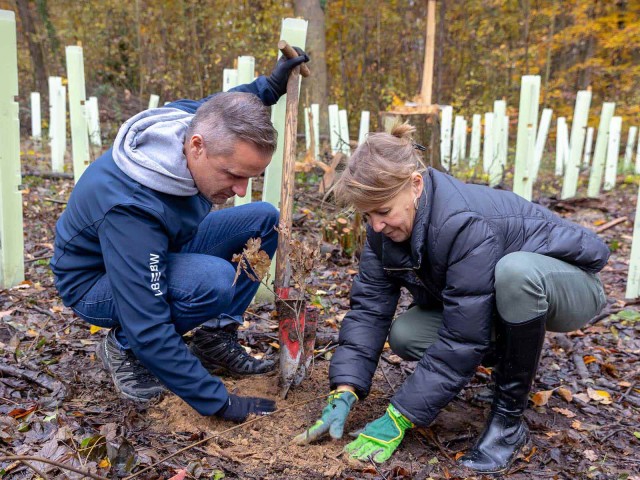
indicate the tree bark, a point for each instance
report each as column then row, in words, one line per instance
column 314, row 88
column 35, row 47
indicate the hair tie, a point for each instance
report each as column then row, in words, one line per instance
column 417, row 146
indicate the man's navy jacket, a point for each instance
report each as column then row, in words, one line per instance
column 115, row 225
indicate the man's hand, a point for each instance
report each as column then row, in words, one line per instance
column 238, row 408
column 332, row 420
column 278, row 78
column 380, row 438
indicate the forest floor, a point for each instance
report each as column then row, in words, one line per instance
column 56, row 402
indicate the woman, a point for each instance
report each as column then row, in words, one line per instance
column 481, row 264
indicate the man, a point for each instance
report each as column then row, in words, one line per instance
column 139, row 251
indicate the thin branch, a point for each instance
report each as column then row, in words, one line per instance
column 20, row 458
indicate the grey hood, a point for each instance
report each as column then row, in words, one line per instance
column 149, row 148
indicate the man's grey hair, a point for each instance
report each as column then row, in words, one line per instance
column 232, row 116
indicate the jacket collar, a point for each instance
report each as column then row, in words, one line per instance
column 409, row 254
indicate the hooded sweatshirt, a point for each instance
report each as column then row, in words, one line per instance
column 132, row 207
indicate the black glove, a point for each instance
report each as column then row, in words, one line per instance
column 278, row 78
column 237, row 409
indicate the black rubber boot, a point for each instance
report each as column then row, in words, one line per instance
column 219, row 351
column 130, row 377
column 519, row 346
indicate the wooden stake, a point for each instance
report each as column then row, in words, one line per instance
column 427, row 69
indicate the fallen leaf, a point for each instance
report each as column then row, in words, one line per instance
column 94, row 329
column 565, row 393
column 564, row 411
column 583, row 397
column 589, row 359
column 531, row 454
column 590, row 455
column 458, row 455
column 105, row 463
column 601, row 396
column 180, row 475
column 541, row 398
column 19, row 413
column 275, row 345
column 6, row 313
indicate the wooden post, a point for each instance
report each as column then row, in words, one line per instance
column 334, row 128
column 561, row 145
column 628, row 153
column 246, row 73
column 476, row 132
column 281, row 280
column 456, row 149
column 345, row 144
column 364, row 126
column 294, row 31
column 588, row 148
column 576, row 145
column 541, row 140
column 613, row 154
column 11, row 229
column 429, row 54
column 526, row 136
column 315, row 120
column 229, row 79
column 633, row 277
column 77, row 115
column 93, row 120
column 487, row 150
column 36, row 117
column 154, row 101
column 600, row 150
column 57, row 123
column 445, row 136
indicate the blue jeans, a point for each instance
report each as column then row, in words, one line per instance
column 200, row 276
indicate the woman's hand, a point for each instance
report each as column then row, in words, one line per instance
column 333, row 418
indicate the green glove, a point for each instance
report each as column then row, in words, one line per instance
column 332, row 420
column 380, row 438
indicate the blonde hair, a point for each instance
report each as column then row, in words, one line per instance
column 379, row 169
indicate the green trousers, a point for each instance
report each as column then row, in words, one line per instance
column 527, row 285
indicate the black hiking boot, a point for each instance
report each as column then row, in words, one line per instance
column 519, row 347
column 131, row 378
column 219, row 351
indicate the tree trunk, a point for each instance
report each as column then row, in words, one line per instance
column 35, row 47
column 314, row 88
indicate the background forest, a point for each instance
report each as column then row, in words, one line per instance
column 366, row 55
